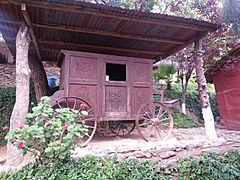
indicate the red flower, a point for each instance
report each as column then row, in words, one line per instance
column 83, row 106
column 5, row 128
column 65, row 126
column 21, row 126
column 20, row 144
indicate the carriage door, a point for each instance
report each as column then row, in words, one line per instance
column 116, row 90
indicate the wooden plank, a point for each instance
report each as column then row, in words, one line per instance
column 29, row 24
column 121, row 16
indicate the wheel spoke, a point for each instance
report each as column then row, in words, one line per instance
column 160, row 111
column 88, row 119
column 144, row 118
column 75, row 103
column 165, row 119
column 66, row 101
column 163, row 129
column 162, row 114
column 89, row 110
column 144, row 124
column 59, row 104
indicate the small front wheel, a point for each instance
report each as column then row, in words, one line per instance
column 154, row 121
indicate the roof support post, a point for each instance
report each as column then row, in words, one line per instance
column 203, row 93
column 29, row 24
column 20, row 110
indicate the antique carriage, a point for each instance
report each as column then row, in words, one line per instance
column 114, row 89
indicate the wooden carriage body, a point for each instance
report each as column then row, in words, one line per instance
column 115, row 86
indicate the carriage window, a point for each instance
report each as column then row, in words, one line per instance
column 115, row 72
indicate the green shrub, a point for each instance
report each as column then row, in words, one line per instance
column 49, row 133
column 90, row 168
column 7, row 100
column 211, row 166
column 192, row 99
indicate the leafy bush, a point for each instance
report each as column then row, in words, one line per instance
column 165, row 72
column 90, row 168
column 49, row 133
column 7, row 100
column 192, row 100
column 211, row 166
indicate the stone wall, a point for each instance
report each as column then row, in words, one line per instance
column 8, row 73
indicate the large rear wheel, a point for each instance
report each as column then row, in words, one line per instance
column 89, row 120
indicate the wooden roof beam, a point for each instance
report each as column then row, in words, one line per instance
column 106, row 33
column 98, row 32
column 94, row 12
column 79, row 45
column 29, row 24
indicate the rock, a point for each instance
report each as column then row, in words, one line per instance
column 5, row 168
column 2, row 160
column 178, row 149
column 138, row 154
column 148, row 155
column 120, row 158
column 166, row 155
column 131, row 157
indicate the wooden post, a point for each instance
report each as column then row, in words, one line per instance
column 203, row 93
column 20, row 110
column 39, row 78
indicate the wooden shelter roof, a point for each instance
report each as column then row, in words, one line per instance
column 81, row 26
column 231, row 57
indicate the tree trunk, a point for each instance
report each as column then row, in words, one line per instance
column 203, row 93
column 20, row 110
column 184, row 91
column 39, row 78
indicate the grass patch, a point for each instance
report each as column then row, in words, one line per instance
column 182, row 121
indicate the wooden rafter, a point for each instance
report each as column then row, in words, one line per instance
column 29, row 24
column 98, row 32
column 94, row 12
column 79, row 45
column 106, row 33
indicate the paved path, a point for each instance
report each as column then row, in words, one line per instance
column 183, row 142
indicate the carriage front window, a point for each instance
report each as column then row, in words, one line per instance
column 115, row 72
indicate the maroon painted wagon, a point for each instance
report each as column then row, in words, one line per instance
column 115, row 89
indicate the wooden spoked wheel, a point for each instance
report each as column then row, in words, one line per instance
column 154, row 122
column 89, row 120
column 121, row 128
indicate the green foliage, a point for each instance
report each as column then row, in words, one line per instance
column 211, row 166
column 48, row 133
column 7, row 100
column 183, row 121
column 165, row 72
column 192, row 98
column 90, row 168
